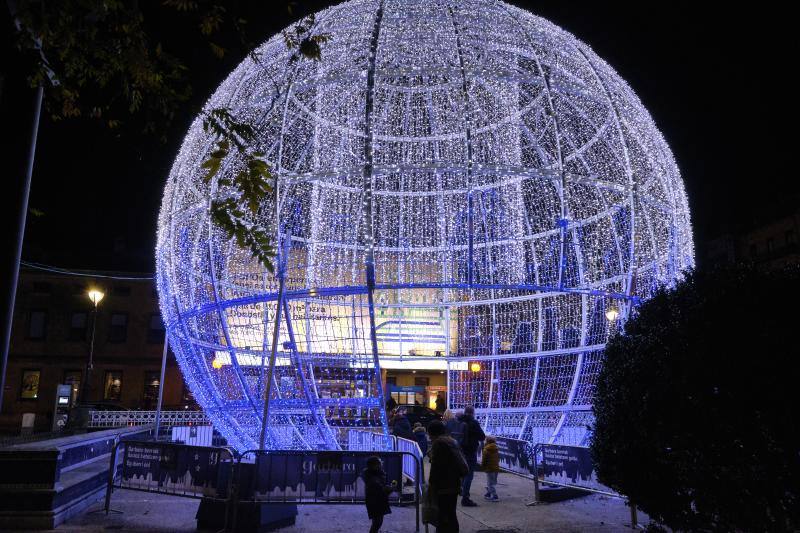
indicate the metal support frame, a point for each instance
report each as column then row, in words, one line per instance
column 23, row 215
column 282, row 259
column 161, row 383
column 368, row 235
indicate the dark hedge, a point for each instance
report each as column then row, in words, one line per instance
column 697, row 403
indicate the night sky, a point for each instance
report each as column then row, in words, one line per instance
column 715, row 81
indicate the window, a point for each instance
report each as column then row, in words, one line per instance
column 73, row 378
column 391, row 380
column 150, row 393
column 42, row 287
column 155, row 329
column 422, row 381
column 29, row 388
column 121, row 291
column 112, row 388
column 37, row 325
column 77, row 326
column 118, row 331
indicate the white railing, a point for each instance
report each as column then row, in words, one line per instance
column 410, row 466
column 365, row 440
column 111, row 419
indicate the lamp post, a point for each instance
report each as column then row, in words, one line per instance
column 95, row 296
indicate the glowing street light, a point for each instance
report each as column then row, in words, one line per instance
column 216, row 363
column 475, row 367
column 95, row 296
column 612, row 314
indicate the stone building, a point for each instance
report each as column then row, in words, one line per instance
column 50, row 343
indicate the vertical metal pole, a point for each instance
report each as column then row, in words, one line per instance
column 23, row 215
column 90, row 362
column 368, row 236
column 161, row 384
column 275, row 333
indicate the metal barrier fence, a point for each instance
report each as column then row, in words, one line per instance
column 166, row 468
column 256, row 477
column 571, row 467
column 365, row 440
column 413, row 465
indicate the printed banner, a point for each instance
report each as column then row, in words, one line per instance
column 570, row 465
column 319, row 476
column 515, row 456
column 171, row 468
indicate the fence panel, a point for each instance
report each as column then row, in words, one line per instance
column 166, row 468
column 412, row 460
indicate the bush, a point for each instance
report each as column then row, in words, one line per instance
column 696, row 406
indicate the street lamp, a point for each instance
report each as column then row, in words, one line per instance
column 475, row 367
column 95, row 296
column 612, row 314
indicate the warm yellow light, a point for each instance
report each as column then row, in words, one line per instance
column 475, row 367
column 612, row 314
column 95, row 295
column 216, row 364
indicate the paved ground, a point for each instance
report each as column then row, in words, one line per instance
column 156, row 513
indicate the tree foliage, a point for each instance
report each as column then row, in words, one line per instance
column 101, row 60
column 250, row 182
column 696, row 419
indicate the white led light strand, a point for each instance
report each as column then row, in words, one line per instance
column 507, row 188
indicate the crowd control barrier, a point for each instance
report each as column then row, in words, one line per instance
column 296, row 477
column 166, row 468
column 318, row 477
column 572, row 467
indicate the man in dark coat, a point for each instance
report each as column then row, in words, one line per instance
column 473, row 436
column 402, row 427
column 448, row 466
column 376, row 493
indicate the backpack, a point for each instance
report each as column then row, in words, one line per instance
column 459, row 432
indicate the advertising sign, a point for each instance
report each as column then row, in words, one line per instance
column 570, row 465
column 170, row 468
column 321, row 476
column 515, row 456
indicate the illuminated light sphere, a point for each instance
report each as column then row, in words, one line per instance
column 457, row 182
column 475, row 367
column 612, row 314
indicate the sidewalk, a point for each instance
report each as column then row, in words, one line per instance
column 157, row 513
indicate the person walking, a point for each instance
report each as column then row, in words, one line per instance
column 473, row 436
column 448, row 467
column 490, row 463
column 441, row 403
column 376, row 493
column 452, row 426
column 402, row 427
column 421, row 436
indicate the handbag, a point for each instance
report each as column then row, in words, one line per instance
column 430, row 506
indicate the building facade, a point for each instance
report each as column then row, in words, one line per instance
column 771, row 245
column 51, row 339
